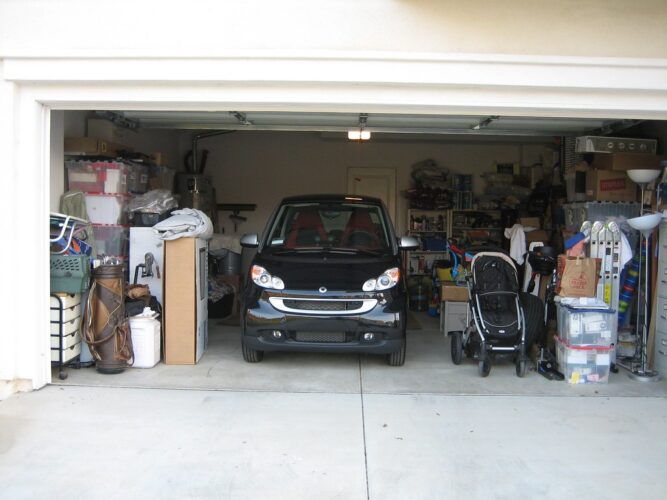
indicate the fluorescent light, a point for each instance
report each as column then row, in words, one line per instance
column 358, row 135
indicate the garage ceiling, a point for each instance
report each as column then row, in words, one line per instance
column 376, row 123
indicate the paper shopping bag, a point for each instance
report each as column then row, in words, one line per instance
column 577, row 276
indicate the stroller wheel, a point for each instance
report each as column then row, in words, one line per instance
column 457, row 348
column 521, row 367
column 484, row 367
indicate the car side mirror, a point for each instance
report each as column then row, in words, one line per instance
column 408, row 243
column 250, row 240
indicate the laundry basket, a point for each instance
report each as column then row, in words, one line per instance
column 70, row 273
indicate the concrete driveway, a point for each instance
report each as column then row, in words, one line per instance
column 316, row 426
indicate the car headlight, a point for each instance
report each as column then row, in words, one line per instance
column 386, row 280
column 261, row 277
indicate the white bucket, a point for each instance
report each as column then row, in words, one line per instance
column 145, row 341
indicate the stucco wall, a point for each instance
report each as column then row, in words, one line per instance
column 616, row 28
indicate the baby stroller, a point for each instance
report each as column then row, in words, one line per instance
column 495, row 317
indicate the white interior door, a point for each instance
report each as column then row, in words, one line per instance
column 376, row 182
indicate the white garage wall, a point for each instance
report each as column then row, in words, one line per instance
column 263, row 167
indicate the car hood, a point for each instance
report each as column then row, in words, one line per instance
column 311, row 273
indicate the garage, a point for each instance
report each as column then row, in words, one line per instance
column 454, row 183
column 467, row 95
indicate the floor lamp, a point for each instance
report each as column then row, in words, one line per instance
column 645, row 224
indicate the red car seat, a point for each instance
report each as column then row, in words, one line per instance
column 360, row 232
column 307, row 229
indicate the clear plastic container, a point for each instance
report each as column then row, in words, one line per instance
column 107, row 208
column 583, row 365
column 111, row 239
column 137, row 178
column 586, row 327
column 97, row 176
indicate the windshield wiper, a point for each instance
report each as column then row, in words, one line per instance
column 299, row 250
column 349, row 250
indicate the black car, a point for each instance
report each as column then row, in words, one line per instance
column 326, row 278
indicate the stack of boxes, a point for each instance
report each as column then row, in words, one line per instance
column 583, row 346
column 108, row 187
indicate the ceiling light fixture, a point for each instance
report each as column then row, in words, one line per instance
column 360, row 134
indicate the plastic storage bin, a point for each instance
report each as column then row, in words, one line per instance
column 70, row 273
column 97, row 176
column 588, row 327
column 107, row 208
column 111, row 239
column 137, row 178
column 583, row 365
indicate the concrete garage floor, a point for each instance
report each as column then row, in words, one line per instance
column 350, row 427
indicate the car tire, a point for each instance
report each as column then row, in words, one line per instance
column 251, row 355
column 397, row 358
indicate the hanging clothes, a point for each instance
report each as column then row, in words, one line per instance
column 517, row 238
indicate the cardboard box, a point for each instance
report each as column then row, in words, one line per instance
column 610, row 185
column 158, row 158
column 539, row 235
column 91, row 146
column 107, row 131
column 185, row 300
column 627, row 161
column 530, row 222
column 452, row 292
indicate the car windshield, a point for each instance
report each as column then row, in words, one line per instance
column 333, row 227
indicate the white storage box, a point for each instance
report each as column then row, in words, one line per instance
column 453, row 316
column 68, row 354
column 583, row 365
column 107, row 208
column 587, row 327
column 145, row 341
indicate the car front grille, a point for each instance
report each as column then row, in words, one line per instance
column 324, row 337
column 324, row 305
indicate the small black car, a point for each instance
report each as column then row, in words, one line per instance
column 326, row 277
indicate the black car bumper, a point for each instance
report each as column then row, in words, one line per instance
column 267, row 328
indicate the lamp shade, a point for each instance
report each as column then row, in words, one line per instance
column 646, row 223
column 643, row 176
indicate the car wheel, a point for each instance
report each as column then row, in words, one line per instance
column 397, row 358
column 251, row 355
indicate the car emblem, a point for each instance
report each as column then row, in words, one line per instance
column 323, row 289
